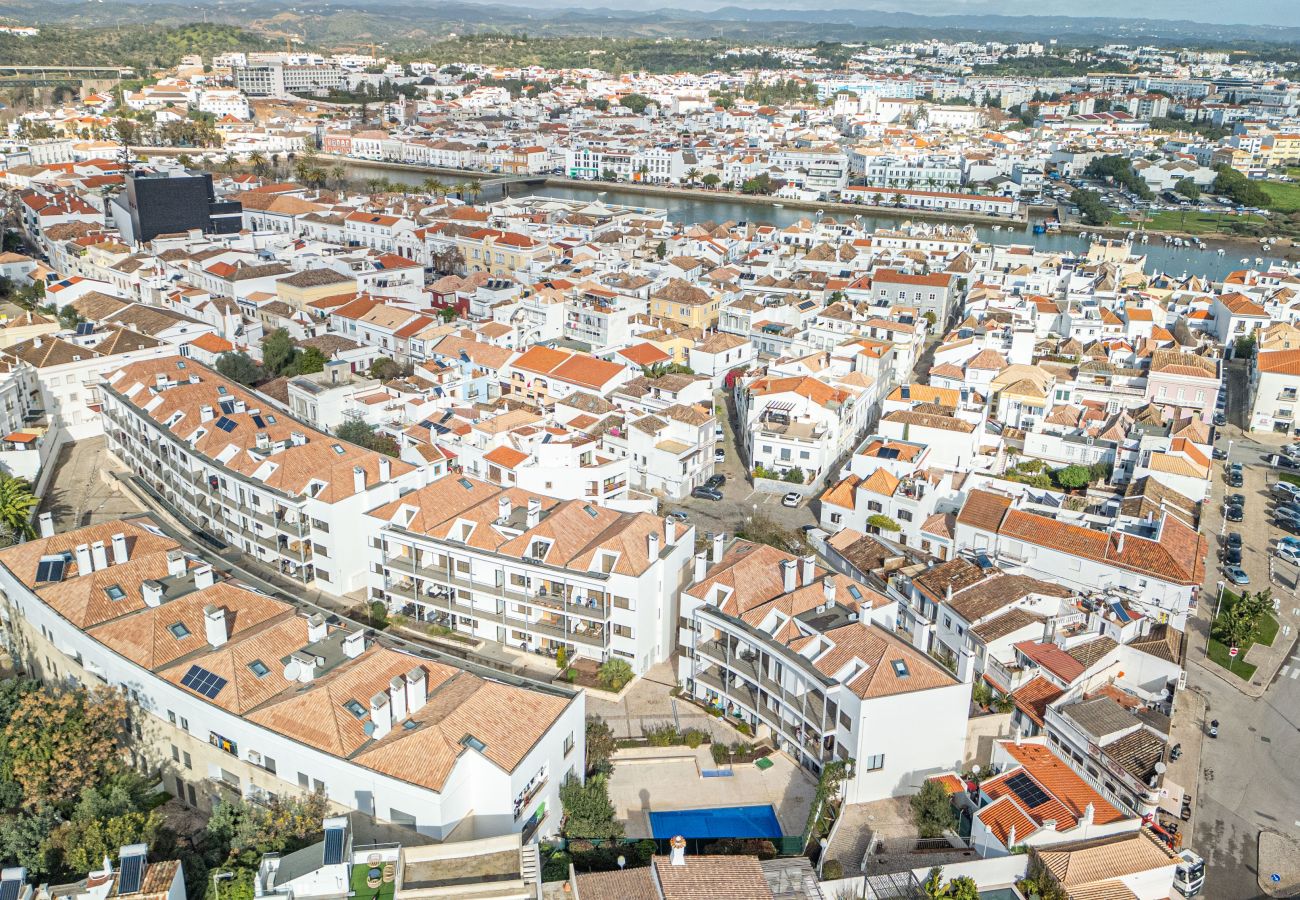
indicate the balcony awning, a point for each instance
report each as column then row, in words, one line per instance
column 20, row 437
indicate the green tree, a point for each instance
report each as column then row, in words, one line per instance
column 356, row 431
column 1244, row 346
column 601, row 745
column 85, row 843
column 1072, row 477
column 16, row 504
column 932, row 811
column 24, row 839
column 239, row 367
column 635, row 102
column 1188, row 189
column 614, row 673
column 278, row 351
column 662, row 250
column 587, row 810
column 308, row 362
column 384, row 369
column 58, row 744
column 710, row 180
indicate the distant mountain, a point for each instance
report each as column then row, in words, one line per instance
column 409, row 23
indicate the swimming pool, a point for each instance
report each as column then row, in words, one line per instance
column 719, row 822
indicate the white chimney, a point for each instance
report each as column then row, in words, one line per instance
column 701, row 567
column 152, row 591
column 317, row 630
column 809, row 569
column 206, row 414
column 416, row 690
column 1089, row 814
column 175, row 563
column 120, row 552
column 47, row 524
column 1049, row 825
column 503, row 508
column 397, row 698
column 828, row 589
column 1119, row 545
column 534, row 511
column 99, row 555
column 358, row 479
column 789, row 575
column 354, row 644
column 385, row 468
column 652, row 545
column 214, row 625
column 204, row 577
column 381, row 715
column 719, row 546
column 82, row 552
column 1011, row 836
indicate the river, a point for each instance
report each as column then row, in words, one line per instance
column 1174, row 261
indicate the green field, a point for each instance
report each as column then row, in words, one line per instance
column 1285, row 195
column 1189, row 222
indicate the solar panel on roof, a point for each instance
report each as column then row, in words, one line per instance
column 1027, row 790
column 259, row 421
column 9, row 889
column 982, row 561
column 85, row 328
column 203, row 682
column 1121, row 613
column 888, row 453
column 333, row 846
column 227, row 406
column 130, row 875
column 225, row 424
column 50, row 569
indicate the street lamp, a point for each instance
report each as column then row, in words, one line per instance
column 1218, row 602
column 219, row 876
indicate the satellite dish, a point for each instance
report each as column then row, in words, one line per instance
column 291, row 669
column 1161, row 768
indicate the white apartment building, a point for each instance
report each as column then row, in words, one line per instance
column 808, row 657
column 281, row 492
column 531, row 571
column 235, row 693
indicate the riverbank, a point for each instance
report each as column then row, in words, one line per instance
column 705, row 194
column 1284, row 248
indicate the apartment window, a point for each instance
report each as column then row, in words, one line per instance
column 947, row 621
column 171, row 716
column 622, row 631
column 845, row 722
column 269, row 764
column 874, row 763
column 568, row 744
column 874, row 506
column 622, row 603
column 397, row 817
column 185, row 723
column 318, row 786
column 180, row 789
column 836, row 518
column 319, row 550
column 904, row 515
column 303, row 781
column 176, row 753
column 186, row 760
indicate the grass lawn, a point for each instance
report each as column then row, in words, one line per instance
column 1265, row 633
column 1189, row 222
column 1285, row 195
column 1289, row 478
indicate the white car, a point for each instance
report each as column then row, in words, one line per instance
column 1287, row 554
column 719, row 455
column 791, row 499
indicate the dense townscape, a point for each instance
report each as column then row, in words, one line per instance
column 841, row 471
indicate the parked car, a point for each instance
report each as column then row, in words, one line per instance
column 1236, row 574
column 791, row 499
column 1291, row 450
column 1286, row 489
column 1220, row 420
column 719, row 455
column 1290, row 542
column 1235, row 480
column 1219, row 453
column 1278, row 461
column 1233, row 540
column 1288, row 510
column 1232, row 557
column 718, row 434
column 677, row 517
column 1234, row 514
column 1235, row 500
column 716, row 481
column 1287, row 524
column 706, row 493
column 1287, row 554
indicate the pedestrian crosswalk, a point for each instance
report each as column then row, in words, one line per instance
column 1289, row 672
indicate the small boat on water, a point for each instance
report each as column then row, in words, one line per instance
column 778, row 206
column 1219, row 251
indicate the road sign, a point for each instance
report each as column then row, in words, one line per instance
column 1232, row 651
column 1275, row 878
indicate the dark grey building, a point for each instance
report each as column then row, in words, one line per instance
column 155, row 203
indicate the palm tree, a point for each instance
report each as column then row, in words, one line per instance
column 692, row 175
column 257, row 160
column 16, row 504
column 339, row 174
column 375, row 185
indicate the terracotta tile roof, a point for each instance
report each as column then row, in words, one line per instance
column 1005, row 815
column 1034, row 696
column 1067, row 794
column 711, row 878
column 505, row 456
column 984, row 510
column 1052, row 658
column 1107, row 859
column 623, row 884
